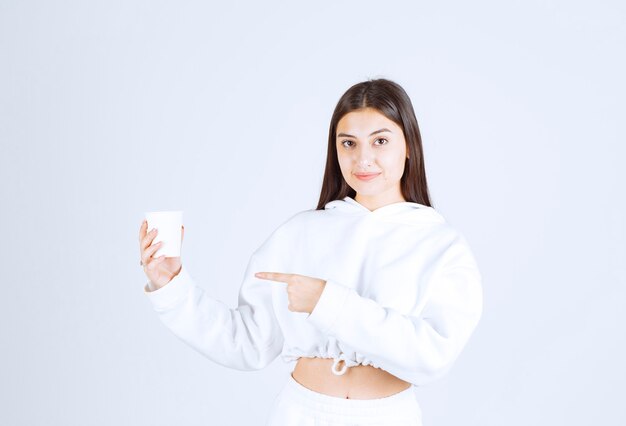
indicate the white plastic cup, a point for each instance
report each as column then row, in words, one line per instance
column 169, row 230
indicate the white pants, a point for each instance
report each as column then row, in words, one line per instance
column 297, row 405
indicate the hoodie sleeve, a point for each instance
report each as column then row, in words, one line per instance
column 245, row 338
column 419, row 347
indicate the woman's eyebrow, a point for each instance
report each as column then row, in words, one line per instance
column 373, row 133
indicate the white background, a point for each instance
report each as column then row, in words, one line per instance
column 112, row 108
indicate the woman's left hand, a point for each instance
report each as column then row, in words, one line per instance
column 303, row 292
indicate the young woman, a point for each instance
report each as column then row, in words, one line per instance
column 372, row 292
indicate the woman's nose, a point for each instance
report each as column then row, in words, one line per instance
column 364, row 158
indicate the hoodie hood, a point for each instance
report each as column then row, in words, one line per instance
column 402, row 212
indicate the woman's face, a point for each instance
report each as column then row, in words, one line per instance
column 368, row 142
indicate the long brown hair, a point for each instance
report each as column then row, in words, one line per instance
column 390, row 99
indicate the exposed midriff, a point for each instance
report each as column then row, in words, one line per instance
column 358, row 382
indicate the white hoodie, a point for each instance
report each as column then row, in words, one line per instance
column 403, row 293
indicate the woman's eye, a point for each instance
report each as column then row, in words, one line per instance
column 352, row 143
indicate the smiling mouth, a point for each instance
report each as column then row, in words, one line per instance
column 366, row 176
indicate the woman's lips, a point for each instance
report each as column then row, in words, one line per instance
column 366, row 176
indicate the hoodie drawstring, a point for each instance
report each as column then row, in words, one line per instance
column 347, row 363
column 336, row 372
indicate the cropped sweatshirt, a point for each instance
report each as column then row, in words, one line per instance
column 403, row 293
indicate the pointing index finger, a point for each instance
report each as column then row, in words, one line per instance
column 273, row 276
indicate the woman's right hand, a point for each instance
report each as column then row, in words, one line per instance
column 161, row 270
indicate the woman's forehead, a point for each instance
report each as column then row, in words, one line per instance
column 365, row 121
